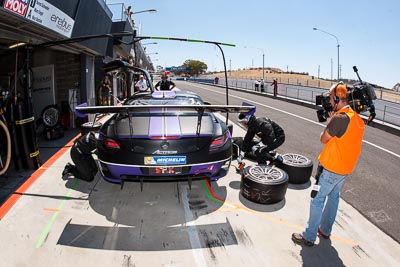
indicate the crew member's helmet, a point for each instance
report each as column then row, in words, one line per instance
column 244, row 118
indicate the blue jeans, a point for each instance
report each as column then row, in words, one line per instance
column 321, row 216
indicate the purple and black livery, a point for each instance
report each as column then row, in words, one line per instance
column 163, row 136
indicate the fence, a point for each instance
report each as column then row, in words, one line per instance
column 386, row 111
column 248, row 82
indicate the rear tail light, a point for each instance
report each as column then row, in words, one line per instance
column 109, row 142
column 220, row 141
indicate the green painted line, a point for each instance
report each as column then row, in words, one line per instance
column 46, row 231
column 209, row 195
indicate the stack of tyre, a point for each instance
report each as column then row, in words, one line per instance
column 267, row 184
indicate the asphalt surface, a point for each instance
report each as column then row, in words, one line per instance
column 59, row 221
column 372, row 188
column 13, row 179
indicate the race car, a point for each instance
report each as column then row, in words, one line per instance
column 163, row 136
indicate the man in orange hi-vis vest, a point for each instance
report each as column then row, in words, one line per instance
column 343, row 140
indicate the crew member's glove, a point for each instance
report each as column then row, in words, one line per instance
column 257, row 146
column 240, row 157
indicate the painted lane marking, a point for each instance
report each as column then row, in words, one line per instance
column 297, row 116
column 9, row 203
column 46, row 230
column 234, row 207
column 51, row 210
column 194, row 234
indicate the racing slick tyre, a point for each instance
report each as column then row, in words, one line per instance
column 298, row 167
column 51, row 120
column 51, row 116
column 264, row 184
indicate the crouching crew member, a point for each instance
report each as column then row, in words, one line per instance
column 85, row 167
column 269, row 132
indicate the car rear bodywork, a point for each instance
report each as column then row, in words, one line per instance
column 163, row 136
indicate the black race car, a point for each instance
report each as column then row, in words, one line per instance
column 163, row 135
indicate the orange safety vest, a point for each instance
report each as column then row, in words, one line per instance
column 340, row 154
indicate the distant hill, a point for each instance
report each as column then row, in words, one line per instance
column 281, row 76
column 303, row 79
column 289, row 77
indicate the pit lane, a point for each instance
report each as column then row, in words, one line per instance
column 71, row 222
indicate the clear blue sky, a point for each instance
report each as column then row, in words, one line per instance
column 368, row 34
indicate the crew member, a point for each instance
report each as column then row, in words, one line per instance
column 269, row 133
column 105, row 91
column 141, row 84
column 165, row 84
column 81, row 155
column 275, row 84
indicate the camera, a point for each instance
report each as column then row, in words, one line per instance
column 325, row 107
column 360, row 97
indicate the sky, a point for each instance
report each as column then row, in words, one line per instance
column 368, row 33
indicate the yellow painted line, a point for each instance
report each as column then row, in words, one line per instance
column 233, row 207
column 52, row 210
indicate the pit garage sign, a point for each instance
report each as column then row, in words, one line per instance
column 43, row 13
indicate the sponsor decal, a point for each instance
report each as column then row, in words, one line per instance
column 165, row 160
column 19, row 7
column 165, row 170
column 43, row 13
column 165, row 152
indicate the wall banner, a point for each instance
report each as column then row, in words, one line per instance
column 43, row 88
column 42, row 13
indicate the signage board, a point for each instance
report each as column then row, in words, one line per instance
column 43, row 13
column 43, row 88
column 177, row 68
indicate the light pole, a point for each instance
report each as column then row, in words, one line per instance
column 148, row 56
column 144, row 48
column 150, row 43
column 144, row 11
column 263, row 55
column 337, row 41
column 129, row 13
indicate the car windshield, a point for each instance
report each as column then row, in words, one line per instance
column 177, row 100
column 163, row 99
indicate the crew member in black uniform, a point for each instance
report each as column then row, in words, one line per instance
column 165, row 84
column 81, row 155
column 269, row 133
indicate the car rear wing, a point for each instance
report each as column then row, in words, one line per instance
column 164, row 108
